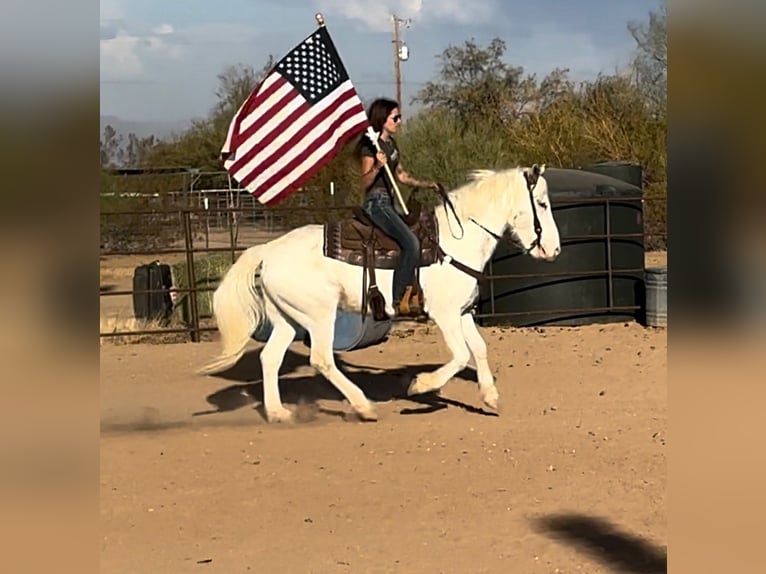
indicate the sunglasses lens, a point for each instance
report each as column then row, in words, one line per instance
column 397, row 118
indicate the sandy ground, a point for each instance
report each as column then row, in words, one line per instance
column 570, row 477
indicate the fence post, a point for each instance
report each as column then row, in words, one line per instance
column 232, row 238
column 191, row 276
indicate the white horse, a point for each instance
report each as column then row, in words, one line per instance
column 290, row 281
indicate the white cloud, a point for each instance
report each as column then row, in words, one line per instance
column 119, row 57
column 461, row 11
column 376, row 14
column 202, row 35
column 123, row 56
column 124, row 48
column 163, row 30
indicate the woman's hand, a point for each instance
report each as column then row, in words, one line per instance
column 381, row 159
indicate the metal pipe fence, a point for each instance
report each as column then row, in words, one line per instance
column 197, row 223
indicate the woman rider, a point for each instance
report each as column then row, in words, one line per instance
column 384, row 117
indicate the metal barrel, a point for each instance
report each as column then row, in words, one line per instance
column 656, row 296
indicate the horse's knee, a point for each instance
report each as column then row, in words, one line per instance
column 462, row 357
column 320, row 363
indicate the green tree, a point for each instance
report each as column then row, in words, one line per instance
column 475, row 84
column 138, row 149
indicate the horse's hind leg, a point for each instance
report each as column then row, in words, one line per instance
column 272, row 355
column 323, row 360
column 321, row 329
column 478, row 348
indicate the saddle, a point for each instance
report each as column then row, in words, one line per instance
column 356, row 240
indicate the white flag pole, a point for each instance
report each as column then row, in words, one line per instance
column 374, row 139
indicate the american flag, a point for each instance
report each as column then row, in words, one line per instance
column 294, row 122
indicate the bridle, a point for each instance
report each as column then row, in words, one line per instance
column 531, row 179
column 531, row 184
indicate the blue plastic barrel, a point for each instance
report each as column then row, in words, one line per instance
column 263, row 332
column 656, row 293
column 353, row 333
column 350, row 331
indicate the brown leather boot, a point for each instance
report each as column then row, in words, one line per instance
column 409, row 306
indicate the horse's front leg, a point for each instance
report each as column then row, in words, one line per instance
column 487, row 388
column 452, row 331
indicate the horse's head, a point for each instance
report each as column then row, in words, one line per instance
column 531, row 220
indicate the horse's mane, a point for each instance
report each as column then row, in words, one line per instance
column 486, row 188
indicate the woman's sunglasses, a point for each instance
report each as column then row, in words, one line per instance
column 397, row 118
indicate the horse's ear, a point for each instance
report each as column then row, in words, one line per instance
column 542, row 169
column 538, row 170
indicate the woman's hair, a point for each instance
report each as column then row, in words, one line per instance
column 377, row 113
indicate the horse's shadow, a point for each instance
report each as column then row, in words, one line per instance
column 379, row 385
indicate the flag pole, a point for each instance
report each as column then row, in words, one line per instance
column 319, row 19
column 374, row 139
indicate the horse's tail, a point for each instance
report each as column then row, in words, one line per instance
column 238, row 309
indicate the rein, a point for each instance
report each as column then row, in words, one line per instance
column 531, row 184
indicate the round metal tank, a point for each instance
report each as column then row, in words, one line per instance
column 350, row 331
column 599, row 275
column 656, row 293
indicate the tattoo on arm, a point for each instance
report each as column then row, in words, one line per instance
column 406, row 178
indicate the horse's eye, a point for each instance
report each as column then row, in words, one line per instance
column 542, row 204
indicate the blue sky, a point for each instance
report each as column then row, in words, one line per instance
column 160, row 58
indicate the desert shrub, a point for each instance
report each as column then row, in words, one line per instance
column 209, row 269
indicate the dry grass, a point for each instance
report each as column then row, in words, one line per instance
column 118, row 324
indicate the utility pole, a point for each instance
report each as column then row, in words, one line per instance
column 400, row 53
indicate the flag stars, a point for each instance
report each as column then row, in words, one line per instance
column 310, row 67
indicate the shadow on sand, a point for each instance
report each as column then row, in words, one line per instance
column 305, row 390
column 615, row 548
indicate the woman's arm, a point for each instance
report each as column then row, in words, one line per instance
column 370, row 168
column 407, row 179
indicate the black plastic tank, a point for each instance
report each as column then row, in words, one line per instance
column 628, row 172
column 597, row 278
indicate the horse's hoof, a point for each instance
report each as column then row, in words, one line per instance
column 366, row 413
column 282, row 415
column 491, row 398
column 420, row 385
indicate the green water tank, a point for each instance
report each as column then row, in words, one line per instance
column 599, row 275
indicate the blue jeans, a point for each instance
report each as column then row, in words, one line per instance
column 379, row 208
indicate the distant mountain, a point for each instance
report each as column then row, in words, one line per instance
column 144, row 129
